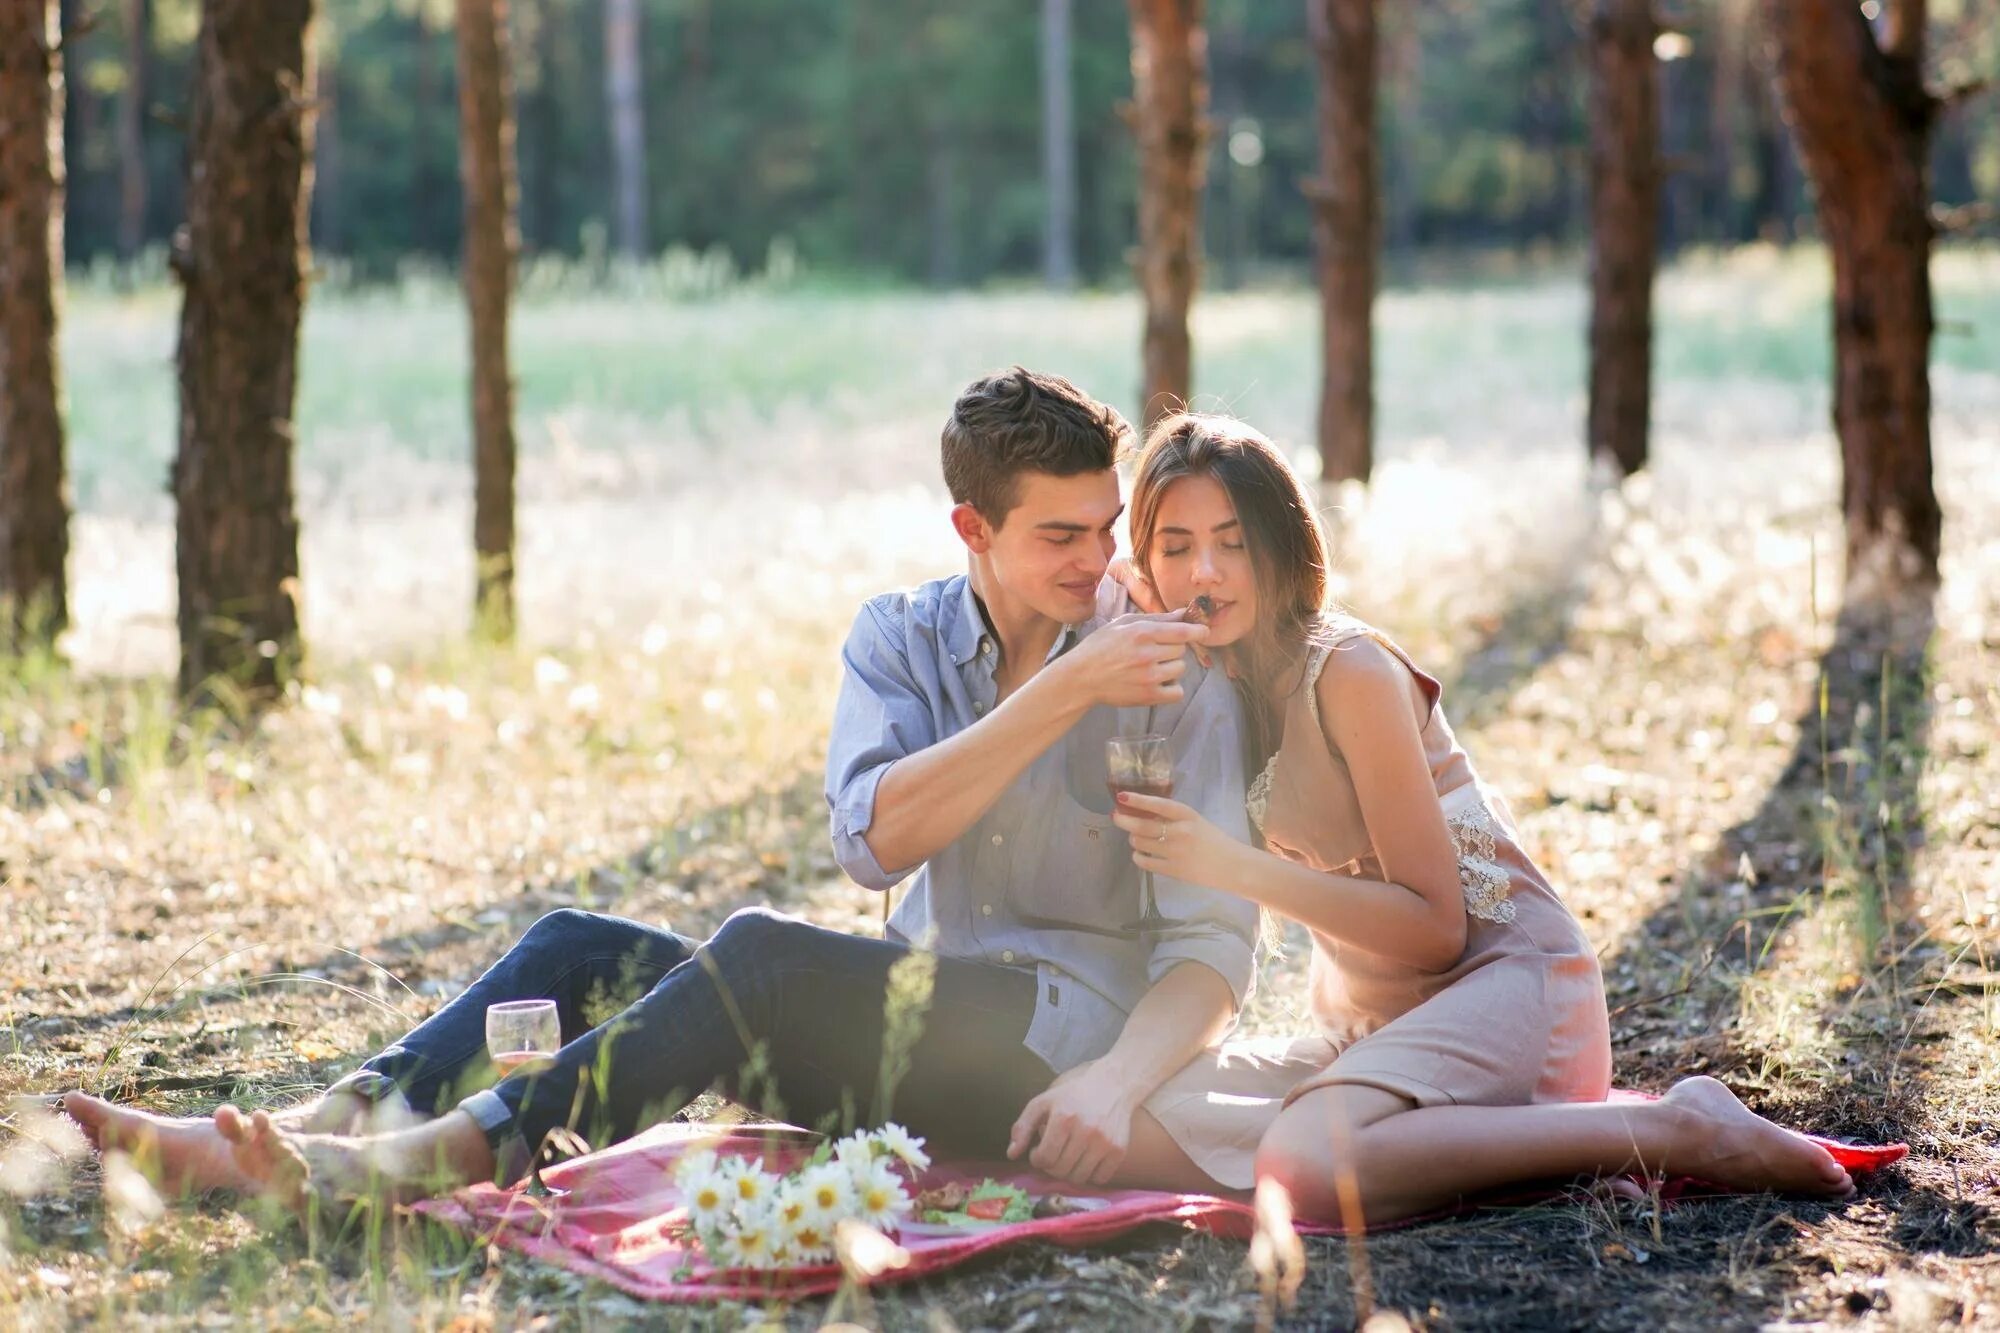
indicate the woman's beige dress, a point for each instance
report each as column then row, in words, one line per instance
column 1521, row 1019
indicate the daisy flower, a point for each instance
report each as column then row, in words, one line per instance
column 707, row 1194
column 810, row 1243
column 827, row 1192
column 903, row 1145
column 856, row 1152
column 750, row 1185
column 694, row 1166
column 879, row 1197
column 749, row 1243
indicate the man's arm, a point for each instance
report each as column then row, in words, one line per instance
column 928, row 797
column 1201, row 968
column 1081, row 1127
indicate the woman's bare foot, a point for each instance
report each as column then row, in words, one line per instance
column 181, row 1155
column 416, row 1163
column 1726, row 1143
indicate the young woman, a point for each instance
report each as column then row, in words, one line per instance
column 1463, row 1039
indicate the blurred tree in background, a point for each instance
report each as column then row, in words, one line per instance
column 903, row 138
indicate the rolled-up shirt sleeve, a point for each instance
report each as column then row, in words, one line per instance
column 1209, row 926
column 881, row 716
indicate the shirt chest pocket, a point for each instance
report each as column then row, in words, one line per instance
column 1077, row 871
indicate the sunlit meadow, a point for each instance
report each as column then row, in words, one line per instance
column 197, row 912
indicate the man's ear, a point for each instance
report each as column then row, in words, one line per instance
column 972, row 528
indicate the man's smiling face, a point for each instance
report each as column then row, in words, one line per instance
column 1056, row 542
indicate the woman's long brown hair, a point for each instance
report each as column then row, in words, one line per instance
column 1281, row 529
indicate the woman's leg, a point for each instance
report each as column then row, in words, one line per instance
column 1154, row 1160
column 1404, row 1161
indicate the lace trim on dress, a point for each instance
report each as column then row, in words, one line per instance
column 1486, row 883
column 1257, row 801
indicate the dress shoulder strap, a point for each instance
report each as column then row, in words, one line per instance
column 1335, row 630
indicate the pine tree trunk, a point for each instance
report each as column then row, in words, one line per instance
column 486, row 159
column 34, row 506
column 132, row 130
column 242, row 266
column 1624, row 213
column 1058, row 148
column 1862, row 118
column 626, row 105
column 1170, row 104
column 1346, row 233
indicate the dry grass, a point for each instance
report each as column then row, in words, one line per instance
column 1798, row 899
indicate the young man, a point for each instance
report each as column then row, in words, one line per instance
column 1019, row 1005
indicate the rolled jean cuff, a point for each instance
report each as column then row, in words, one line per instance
column 495, row 1119
column 371, row 1086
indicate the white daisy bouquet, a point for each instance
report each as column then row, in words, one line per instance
column 747, row 1217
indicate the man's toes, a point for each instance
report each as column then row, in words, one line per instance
column 90, row 1113
column 232, row 1124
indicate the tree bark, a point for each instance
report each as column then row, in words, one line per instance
column 492, row 243
column 34, row 505
column 625, row 103
column 242, row 262
column 1058, row 148
column 1624, row 214
column 1346, row 232
column 1170, row 104
column 132, row 130
column 1862, row 119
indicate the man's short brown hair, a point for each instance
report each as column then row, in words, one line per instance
column 1017, row 421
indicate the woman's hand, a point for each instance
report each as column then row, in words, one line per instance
column 1172, row 839
column 1140, row 588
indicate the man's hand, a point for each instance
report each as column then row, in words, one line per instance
column 1136, row 661
column 1126, row 572
column 1079, row 1128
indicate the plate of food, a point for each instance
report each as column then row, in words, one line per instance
column 958, row 1206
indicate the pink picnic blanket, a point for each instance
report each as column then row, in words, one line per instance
column 621, row 1219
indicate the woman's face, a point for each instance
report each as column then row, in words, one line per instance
column 1198, row 547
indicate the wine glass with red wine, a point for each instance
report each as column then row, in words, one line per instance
column 522, row 1037
column 1142, row 764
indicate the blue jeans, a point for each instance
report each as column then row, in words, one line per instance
column 783, row 1016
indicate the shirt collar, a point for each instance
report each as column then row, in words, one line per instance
column 969, row 630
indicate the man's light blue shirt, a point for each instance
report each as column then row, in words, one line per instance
column 920, row 668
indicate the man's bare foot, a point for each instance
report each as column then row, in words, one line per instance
column 265, row 1156
column 1726, row 1143
column 183, row 1155
column 416, row 1163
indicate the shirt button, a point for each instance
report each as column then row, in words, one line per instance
column 977, row 709
column 997, row 840
column 1006, row 955
column 986, row 909
column 986, row 647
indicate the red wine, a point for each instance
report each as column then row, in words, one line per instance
column 1162, row 789
column 513, row 1062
